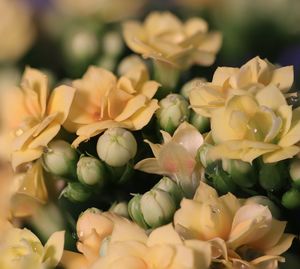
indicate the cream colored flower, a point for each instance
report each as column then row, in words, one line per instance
column 130, row 248
column 234, row 230
column 248, row 79
column 165, row 38
column 176, row 157
column 21, row 249
column 32, row 117
column 102, row 101
column 107, row 10
column 251, row 126
column 16, row 29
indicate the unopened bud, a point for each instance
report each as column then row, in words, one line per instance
column 158, row 207
column 174, row 109
column 294, row 170
column 135, row 212
column 116, row 147
column 60, row 159
column 291, row 199
column 265, row 201
column 91, row 171
column 120, row 209
column 200, row 122
column 76, row 192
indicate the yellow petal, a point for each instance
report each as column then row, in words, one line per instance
column 205, row 192
column 154, row 147
column 44, row 124
column 54, row 249
column 212, row 42
column 222, row 74
column 283, row 78
column 60, row 101
column 195, row 25
column 164, row 235
column 281, row 154
column 73, row 260
column 160, row 256
column 37, row 82
column 19, row 141
column 149, row 88
column 277, row 100
column 150, row 165
column 24, row 156
column 285, row 113
column 283, row 245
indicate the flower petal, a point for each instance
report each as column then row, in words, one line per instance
column 23, row 156
column 164, row 235
column 54, row 249
column 281, row 154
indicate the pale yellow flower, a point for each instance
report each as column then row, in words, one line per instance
column 131, row 248
column 102, row 101
column 248, row 79
column 21, row 249
column 16, row 29
column 249, row 126
column 107, row 10
column 233, row 229
column 165, row 38
column 32, row 117
column 176, row 157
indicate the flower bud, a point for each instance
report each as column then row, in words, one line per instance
column 190, row 85
column 173, row 110
column 202, row 155
column 112, row 43
column 60, row 159
column 200, row 122
column 120, row 209
column 157, row 207
column 272, row 177
column 76, row 192
column 265, row 201
column 170, row 186
column 291, row 199
column 134, row 210
column 242, row 173
column 129, row 63
column 116, row 147
column 294, row 170
column 91, row 171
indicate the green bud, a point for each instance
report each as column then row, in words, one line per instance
column 135, row 212
column 291, row 199
column 60, row 159
column 112, row 43
column 116, row 147
column 190, row 85
column 242, row 173
column 171, row 187
column 128, row 63
column 76, row 192
column 157, row 207
column 272, row 177
column 265, row 201
column 120, row 209
column 91, row 171
column 173, row 110
column 200, row 122
column 202, row 155
column 294, row 170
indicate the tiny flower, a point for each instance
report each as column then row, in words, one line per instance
column 168, row 185
column 174, row 109
column 20, row 248
column 110, row 102
column 120, row 208
column 32, row 117
column 248, row 79
column 165, row 38
column 176, row 158
column 76, row 192
column 157, row 207
column 60, row 159
column 91, row 171
column 116, row 147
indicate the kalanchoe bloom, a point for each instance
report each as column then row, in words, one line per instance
column 248, row 79
column 60, row 159
column 116, row 147
column 102, row 101
column 91, row 171
column 16, row 28
column 32, row 116
column 175, row 158
column 234, row 230
column 249, row 126
column 129, row 247
column 166, row 39
column 173, row 110
column 20, row 248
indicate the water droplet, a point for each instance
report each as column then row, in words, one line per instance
column 19, row 132
column 74, row 235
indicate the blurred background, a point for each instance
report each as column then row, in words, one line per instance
column 63, row 37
